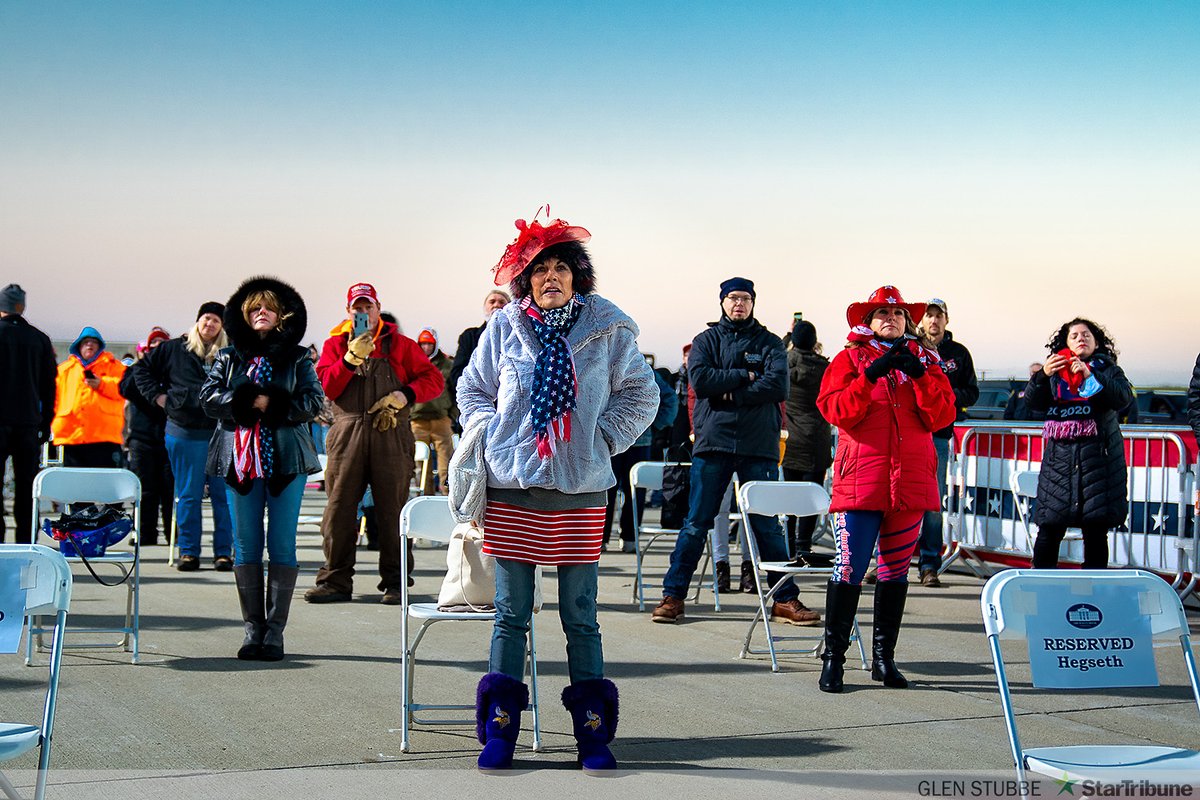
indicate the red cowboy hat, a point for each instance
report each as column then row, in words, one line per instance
column 883, row 297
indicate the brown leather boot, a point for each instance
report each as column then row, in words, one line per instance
column 793, row 612
column 669, row 610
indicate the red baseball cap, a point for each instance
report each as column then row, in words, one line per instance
column 361, row 290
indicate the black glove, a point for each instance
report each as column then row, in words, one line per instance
column 910, row 364
column 886, row 362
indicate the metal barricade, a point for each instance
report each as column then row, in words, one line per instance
column 984, row 519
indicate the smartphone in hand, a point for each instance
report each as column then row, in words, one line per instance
column 91, row 376
column 362, row 324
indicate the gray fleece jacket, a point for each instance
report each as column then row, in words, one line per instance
column 616, row 399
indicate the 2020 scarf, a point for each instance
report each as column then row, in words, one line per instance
column 254, row 447
column 554, row 380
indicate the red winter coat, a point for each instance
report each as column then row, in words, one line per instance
column 885, row 459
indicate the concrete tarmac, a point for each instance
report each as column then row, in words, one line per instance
column 192, row 720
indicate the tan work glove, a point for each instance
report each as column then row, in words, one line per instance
column 359, row 349
column 385, row 419
column 395, row 401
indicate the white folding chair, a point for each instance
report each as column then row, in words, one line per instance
column 421, row 461
column 66, row 485
column 648, row 475
column 787, row 499
column 1016, row 601
column 429, row 518
column 34, row 580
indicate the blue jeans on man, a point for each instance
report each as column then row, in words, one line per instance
column 188, row 457
column 576, row 611
column 930, row 543
column 710, row 474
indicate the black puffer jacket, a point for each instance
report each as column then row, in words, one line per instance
column 294, row 393
column 810, row 439
column 960, row 370
column 1193, row 398
column 1084, row 480
column 733, row 414
column 145, row 422
column 177, row 372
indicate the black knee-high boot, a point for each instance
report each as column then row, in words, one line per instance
column 889, row 611
column 249, row 579
column 841, row 604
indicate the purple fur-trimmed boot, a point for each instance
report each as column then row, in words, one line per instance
column 499, row 702
column 593, row 706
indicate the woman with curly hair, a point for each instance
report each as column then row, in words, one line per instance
column 1082, row 482
column 263, row 391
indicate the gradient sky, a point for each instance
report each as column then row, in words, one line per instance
column 1028, row 162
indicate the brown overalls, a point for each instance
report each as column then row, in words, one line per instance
column 360, row 455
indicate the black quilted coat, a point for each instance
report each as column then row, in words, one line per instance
column 294, row 390
column 1084, row 481
column 810, row 439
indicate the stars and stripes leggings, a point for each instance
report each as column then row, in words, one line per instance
column 856, row 532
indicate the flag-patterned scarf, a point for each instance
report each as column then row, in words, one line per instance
column 254, row 448
column 554, row 381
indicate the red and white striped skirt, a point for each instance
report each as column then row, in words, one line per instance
column 543, row 537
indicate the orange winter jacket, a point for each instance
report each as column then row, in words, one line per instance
column 84, row 415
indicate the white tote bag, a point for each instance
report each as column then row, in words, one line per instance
column 470, row 582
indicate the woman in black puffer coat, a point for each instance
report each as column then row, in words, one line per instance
column 808, row 452
column 264, row 392
column 1082, row 482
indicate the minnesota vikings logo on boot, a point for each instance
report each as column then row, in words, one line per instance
column 499, row 702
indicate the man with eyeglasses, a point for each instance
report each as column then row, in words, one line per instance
column 738, row 370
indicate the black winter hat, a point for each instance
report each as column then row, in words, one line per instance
column 738, row 285
column 804, row 335
column 11, row 296
column 211, row 307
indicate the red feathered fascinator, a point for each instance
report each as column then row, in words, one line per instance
column 533, row 238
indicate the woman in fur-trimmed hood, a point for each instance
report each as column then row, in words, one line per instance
column 263, row 391
column 556, row 387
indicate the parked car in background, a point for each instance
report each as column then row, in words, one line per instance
column 1160, row 407
column 993, row 398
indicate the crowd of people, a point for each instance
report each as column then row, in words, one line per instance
column 552, row 392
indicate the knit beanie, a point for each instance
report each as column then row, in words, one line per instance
column 804, row 335
column 11, row 296
column 738, row 285
column 211, row 307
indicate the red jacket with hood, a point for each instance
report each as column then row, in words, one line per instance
column 885, row 459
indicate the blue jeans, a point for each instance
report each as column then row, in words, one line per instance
column 710, row 475
column 282, row 513
column 576, row 611
column 930, row 544
column 187, row 458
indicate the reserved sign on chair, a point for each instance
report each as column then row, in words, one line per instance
column 1096, row 640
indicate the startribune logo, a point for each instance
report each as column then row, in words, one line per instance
column 1084, row 616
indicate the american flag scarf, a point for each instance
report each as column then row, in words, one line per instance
column 254, row 448
column 554, row 380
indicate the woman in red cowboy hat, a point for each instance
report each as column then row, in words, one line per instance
column 887, row 394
